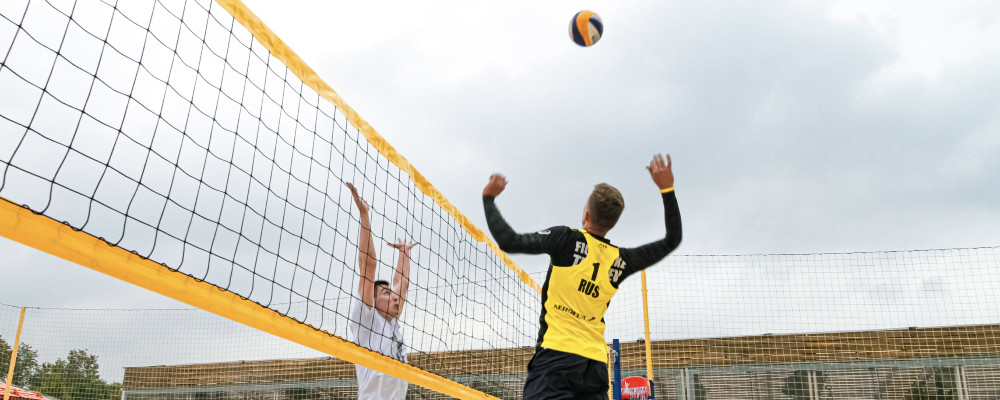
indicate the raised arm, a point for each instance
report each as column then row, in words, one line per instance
column 366, row 251
column 646, row 255
column 401, row 279
column 543, row 242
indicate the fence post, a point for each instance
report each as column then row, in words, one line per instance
column 962, row 390
column 685, row 385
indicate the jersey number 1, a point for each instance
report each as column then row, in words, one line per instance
column 596, row 266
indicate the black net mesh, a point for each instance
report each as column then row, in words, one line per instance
column 165, row 128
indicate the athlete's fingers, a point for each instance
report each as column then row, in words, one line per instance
column 669, row 163
column 362, row 205
column 656, row 164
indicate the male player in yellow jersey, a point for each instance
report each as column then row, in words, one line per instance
column 570, row 360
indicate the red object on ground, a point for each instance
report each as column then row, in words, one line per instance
column 17, row 393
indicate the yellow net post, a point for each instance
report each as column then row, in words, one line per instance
column 13, row 357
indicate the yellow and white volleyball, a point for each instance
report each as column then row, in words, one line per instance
column 586, row 28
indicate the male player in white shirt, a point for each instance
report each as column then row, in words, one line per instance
column 374, row 320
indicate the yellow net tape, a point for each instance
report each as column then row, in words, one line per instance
column 46, row 234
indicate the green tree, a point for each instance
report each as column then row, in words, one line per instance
column 27, row 362
column 75, row 378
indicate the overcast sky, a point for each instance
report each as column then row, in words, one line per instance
column 794, row 126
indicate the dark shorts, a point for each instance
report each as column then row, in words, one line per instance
column 555, row 375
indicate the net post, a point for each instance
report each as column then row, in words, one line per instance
column 649, row 344
column 616, row 385
column 13, row 357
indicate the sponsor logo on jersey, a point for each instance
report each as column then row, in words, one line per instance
column 572, row 312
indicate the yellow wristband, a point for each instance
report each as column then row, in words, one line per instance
column 667, row 190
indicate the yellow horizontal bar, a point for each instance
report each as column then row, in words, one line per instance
column 46, row 234
column 282, row 52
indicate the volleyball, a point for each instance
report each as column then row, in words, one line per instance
column 586, row 28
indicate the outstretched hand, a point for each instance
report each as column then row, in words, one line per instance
column 403, row 245
column 362, row 205
column 495, row 186
column 661, row 173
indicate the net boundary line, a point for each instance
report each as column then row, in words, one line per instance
column 41, row 232
column 310, row 78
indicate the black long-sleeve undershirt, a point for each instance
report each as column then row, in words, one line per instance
column 559, row 241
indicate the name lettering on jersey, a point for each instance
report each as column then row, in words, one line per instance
column 589, row 288
column 572, row 312
column 581, row 252
column 617, row 270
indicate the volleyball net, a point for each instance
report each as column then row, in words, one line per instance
column 180, row 146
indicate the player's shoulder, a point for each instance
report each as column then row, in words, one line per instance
column 557, row 237
column 555, row 230
column 561, row 232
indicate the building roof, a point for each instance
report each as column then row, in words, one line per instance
column 17, row 393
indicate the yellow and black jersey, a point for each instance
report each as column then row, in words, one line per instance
column 584, row 273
